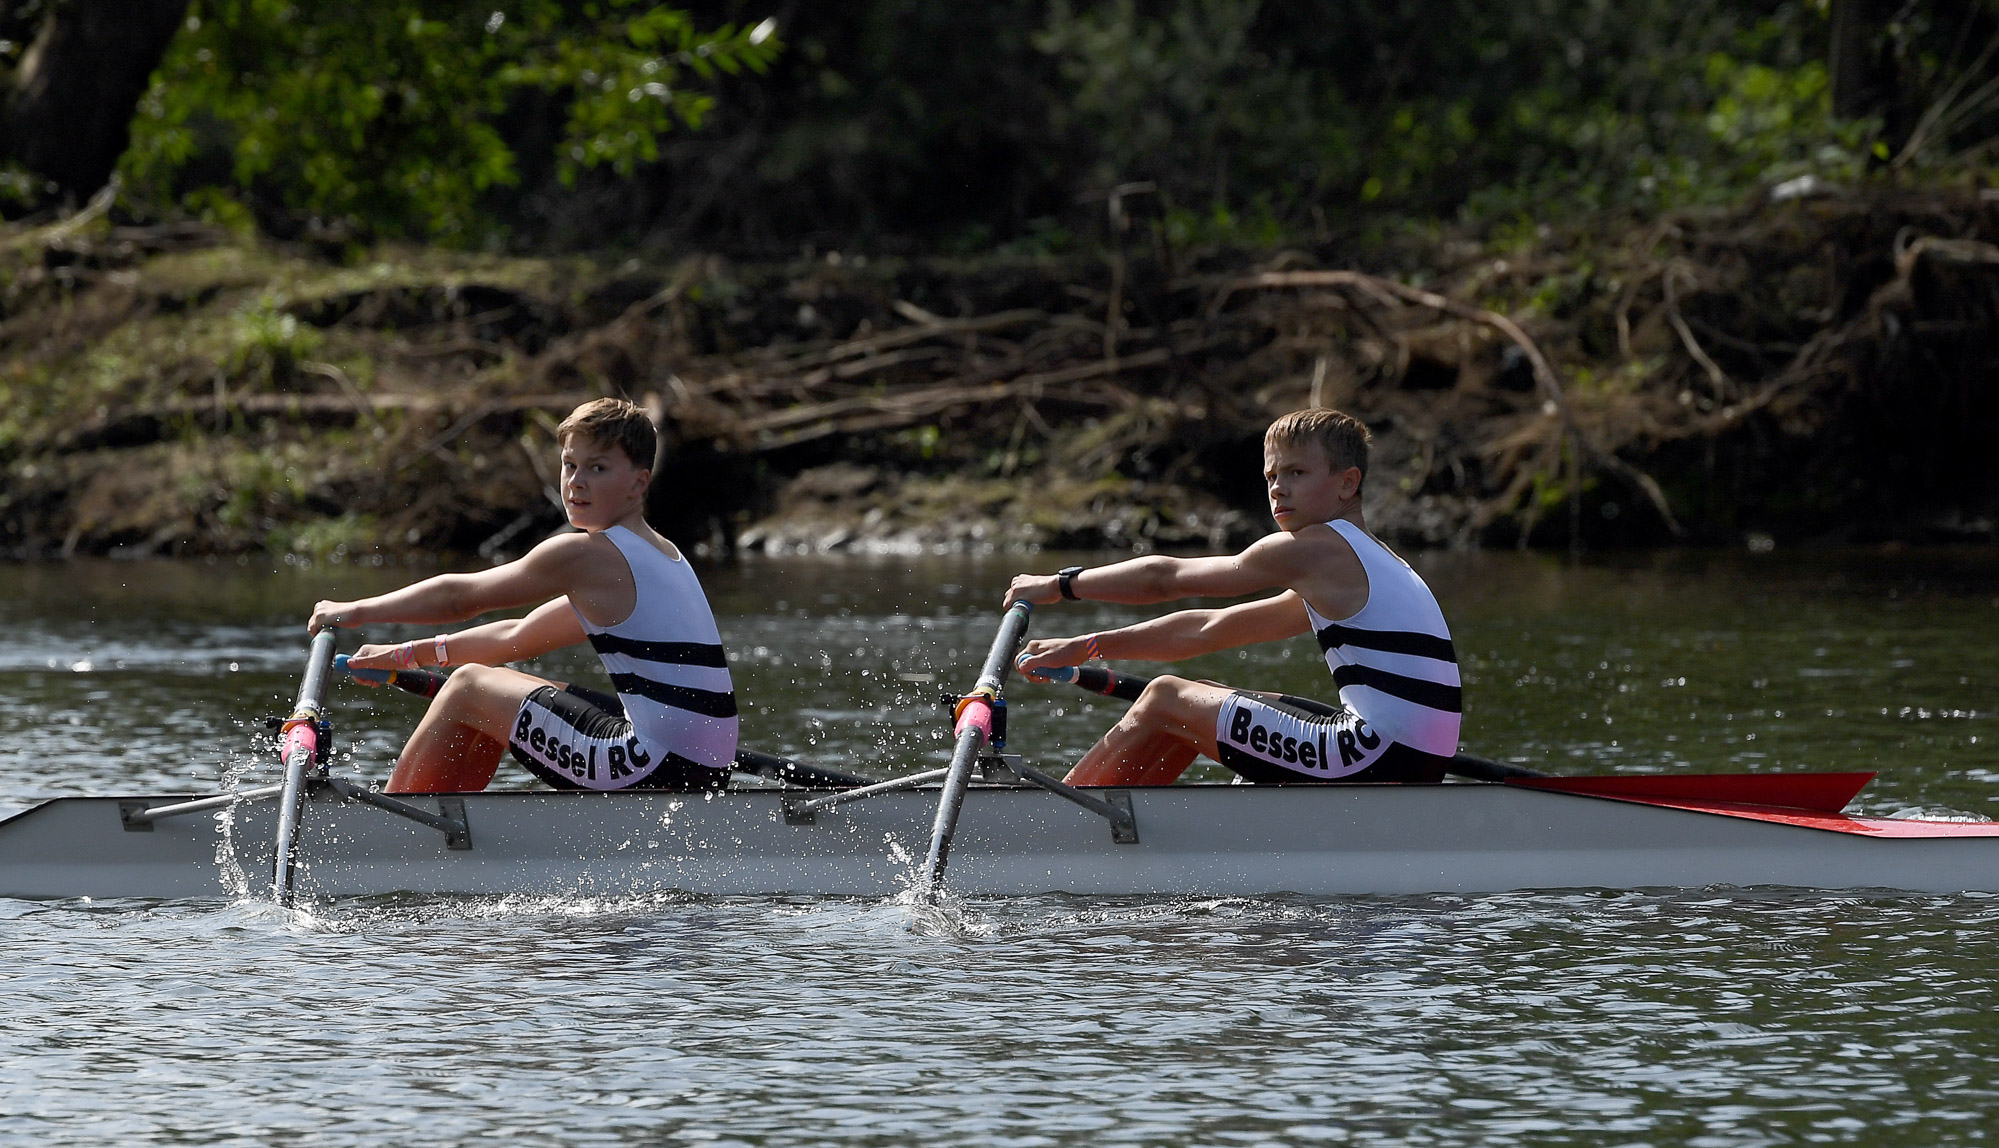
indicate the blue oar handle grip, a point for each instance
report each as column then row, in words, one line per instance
column 423, row 683
column 1095, row 679
column 373, row 677
column 1060, row 675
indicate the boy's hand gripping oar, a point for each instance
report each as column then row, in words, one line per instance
column 1099, row 680
column 422, row 683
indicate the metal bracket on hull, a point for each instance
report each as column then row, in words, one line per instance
column 449, row 818
column 1114, row 806
column 138, row 816
column 804, row 812
column 1123, row 831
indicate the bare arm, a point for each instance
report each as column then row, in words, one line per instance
column 545, row 572
column 551, row 626
column 1180, row 635
column 1272, row 563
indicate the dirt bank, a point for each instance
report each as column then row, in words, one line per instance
column 1815, row 366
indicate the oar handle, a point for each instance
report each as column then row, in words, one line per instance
column 1096, row 679
column 421, row 682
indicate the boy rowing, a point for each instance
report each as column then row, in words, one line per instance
column 619, row 585
column 1383, row 635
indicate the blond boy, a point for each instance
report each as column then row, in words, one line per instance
column 1379, row 626
column 618, row 585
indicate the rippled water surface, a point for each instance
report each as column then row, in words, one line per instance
column 1701, row 1017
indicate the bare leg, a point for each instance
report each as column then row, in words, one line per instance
column 1157, row 738
column 456, row 748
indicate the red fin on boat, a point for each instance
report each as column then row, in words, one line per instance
column 1817, row 792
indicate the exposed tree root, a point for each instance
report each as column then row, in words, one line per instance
column 1813, row 368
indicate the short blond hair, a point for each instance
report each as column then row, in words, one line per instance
column 1342, row 437
column 613, row 422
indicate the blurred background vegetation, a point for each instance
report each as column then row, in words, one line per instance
column 1634, row 270
column 898, row 125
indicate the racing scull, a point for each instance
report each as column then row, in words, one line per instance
column 1007, row 829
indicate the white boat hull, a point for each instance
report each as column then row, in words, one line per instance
column 1192, row 840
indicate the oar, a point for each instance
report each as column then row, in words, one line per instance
column 300, row 753
column 426, row 682
column 422, row 683
column 974, row 726
column 1110, row 683
column 796, row 772
column 1813, row 792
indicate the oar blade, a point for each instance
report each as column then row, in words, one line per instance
column 1817, row 792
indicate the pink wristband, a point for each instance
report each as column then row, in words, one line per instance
column 404, row 656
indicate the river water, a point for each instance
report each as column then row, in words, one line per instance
column 1696, row 1017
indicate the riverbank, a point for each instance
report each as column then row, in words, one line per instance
column 1812, row 366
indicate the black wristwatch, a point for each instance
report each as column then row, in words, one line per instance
column 1066, row 579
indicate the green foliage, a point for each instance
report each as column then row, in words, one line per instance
column 621, row 89
column 327, row 539
column 250, row 483
column 997, row 126
column 386, row 113
column 1192, row 98
column 268, row 345
column 1241, row 109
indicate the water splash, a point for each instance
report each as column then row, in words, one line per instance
column 228, row 860
column 1939, row 813
column 926, row 912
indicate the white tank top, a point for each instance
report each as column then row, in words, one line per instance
column 1393, row 661
column 666, row 659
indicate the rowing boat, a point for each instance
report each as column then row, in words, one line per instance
column 1006, row 827
column 1011, row 839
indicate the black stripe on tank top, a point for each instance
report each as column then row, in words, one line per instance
column 1388, row 642
column 707, row 703
column 1436, row 695
column 669, row 653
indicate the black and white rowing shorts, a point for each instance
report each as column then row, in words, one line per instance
column 1296, row 741
column 577, row 738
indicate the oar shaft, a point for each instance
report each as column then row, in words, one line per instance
column 797, row 773
column 950, row 803
column 301, row 748
column 974, row 726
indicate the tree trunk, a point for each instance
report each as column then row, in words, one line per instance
column 1854, row 59
column 69, row 115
